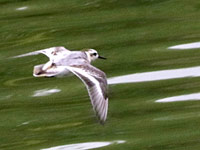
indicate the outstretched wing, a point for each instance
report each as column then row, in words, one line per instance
column 49, row 52
column 96, row 83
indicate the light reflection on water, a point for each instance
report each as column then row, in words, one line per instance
column 156, row 75
column 5, row 97
column 186, row 46
column 188, row 97
column 22, row 8
column 84, row 146
column 45, row 92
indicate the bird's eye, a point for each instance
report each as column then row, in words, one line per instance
column 95, row 54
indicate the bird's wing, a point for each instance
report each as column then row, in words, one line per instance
column 49, row 52
column 96, row 83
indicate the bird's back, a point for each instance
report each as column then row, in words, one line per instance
column 73, row 58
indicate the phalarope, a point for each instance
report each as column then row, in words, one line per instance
column 63, row 62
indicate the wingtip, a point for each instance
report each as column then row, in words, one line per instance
column 102, row 122
column 103, row 117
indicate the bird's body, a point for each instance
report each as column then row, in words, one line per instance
column 56, row 65
column 64, row 62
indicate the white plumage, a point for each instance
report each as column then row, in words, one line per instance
column 63, row 62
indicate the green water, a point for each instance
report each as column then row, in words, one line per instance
column 134, row 36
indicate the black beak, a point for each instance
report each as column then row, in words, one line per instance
column 100, row 57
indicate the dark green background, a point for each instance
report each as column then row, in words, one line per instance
column 134, row 35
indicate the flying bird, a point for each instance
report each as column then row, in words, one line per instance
column 63, row 62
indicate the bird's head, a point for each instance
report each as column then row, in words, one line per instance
column 93, row 55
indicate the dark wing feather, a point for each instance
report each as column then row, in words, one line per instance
column 96, row 83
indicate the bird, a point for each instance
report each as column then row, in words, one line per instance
column 63, row 62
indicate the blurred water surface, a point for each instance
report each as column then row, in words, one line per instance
column 134, row 35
